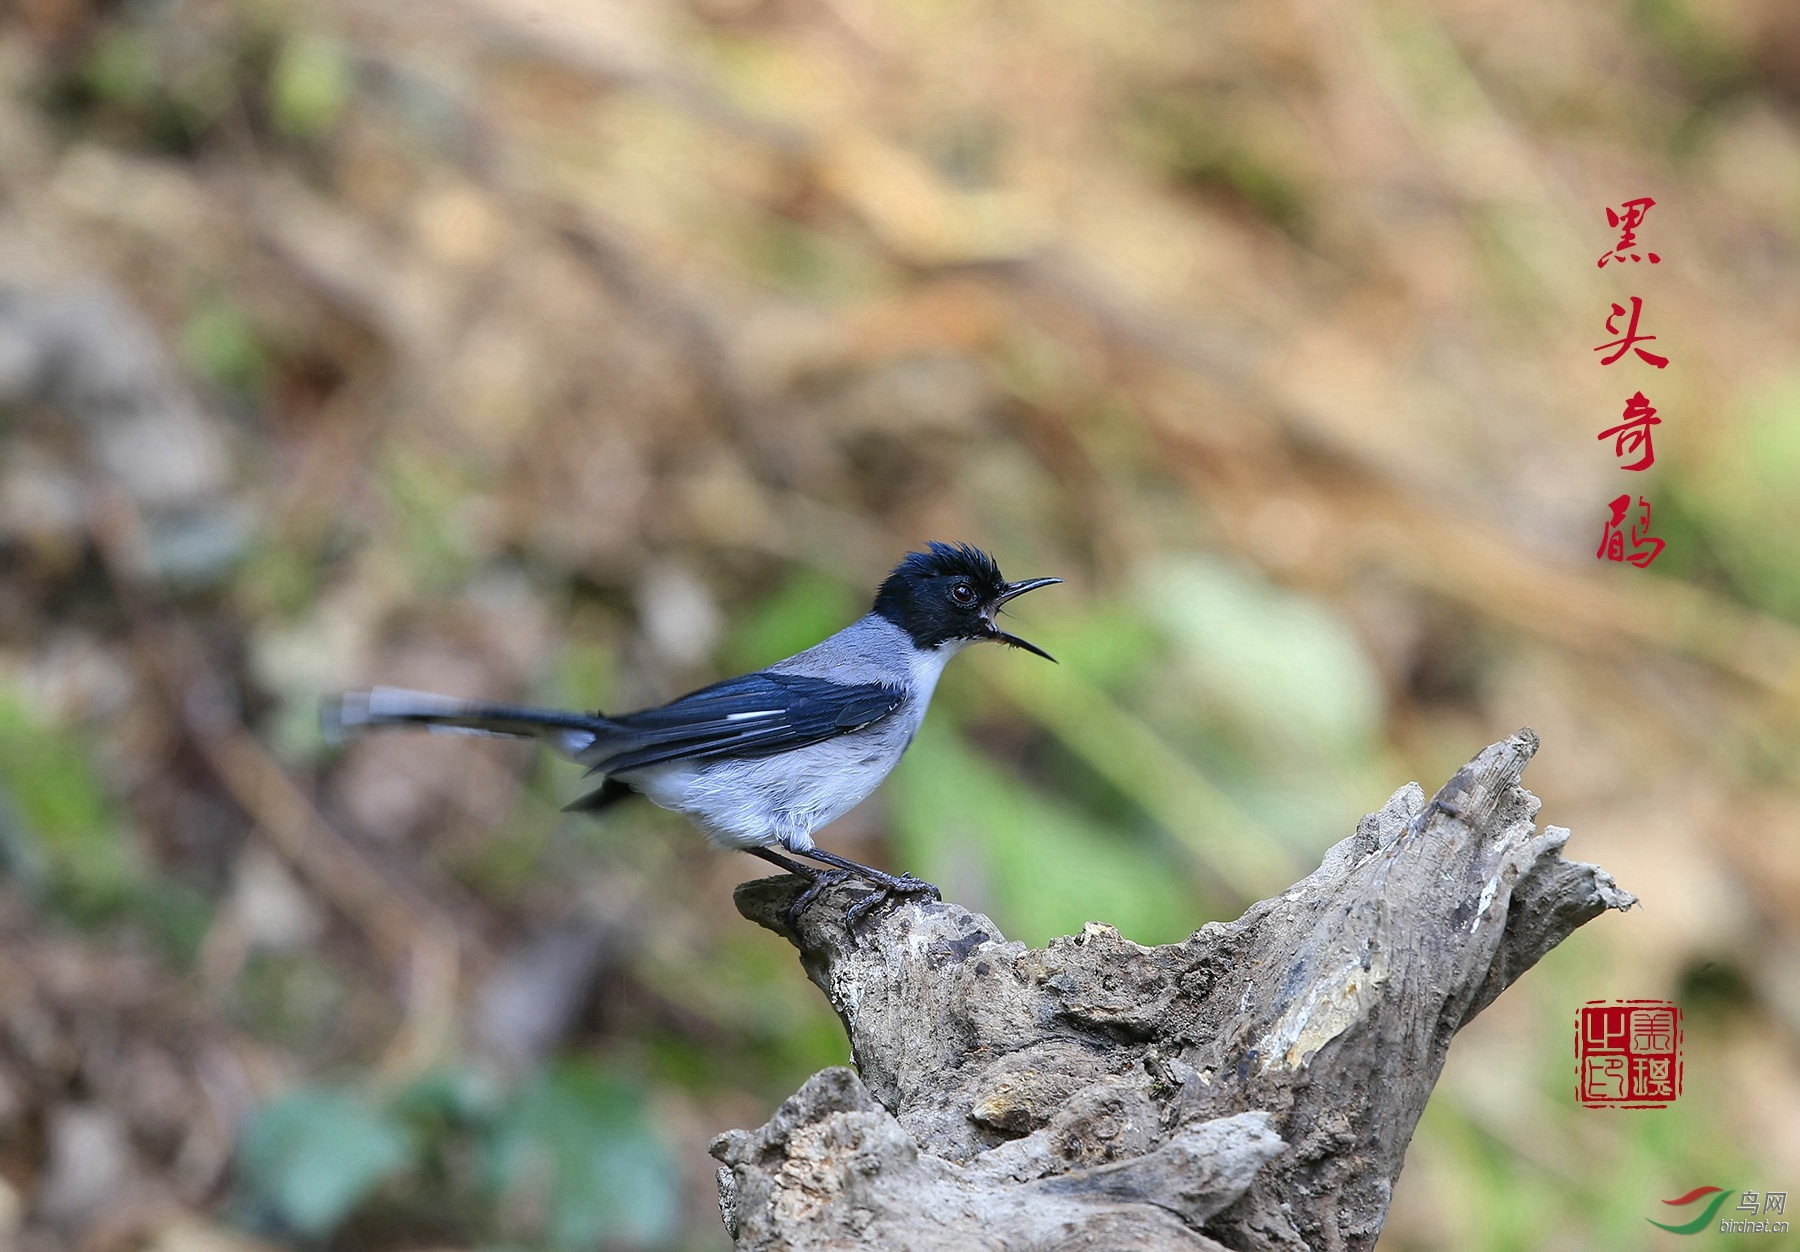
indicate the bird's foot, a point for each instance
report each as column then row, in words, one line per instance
column 821, row 879
column 887, row 887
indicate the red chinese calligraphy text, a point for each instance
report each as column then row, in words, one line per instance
column 1633, row 433
column 1645, row 547
column 1630, row 339
column 1628, row 217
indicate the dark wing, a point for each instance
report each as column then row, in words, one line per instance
column 756, row 715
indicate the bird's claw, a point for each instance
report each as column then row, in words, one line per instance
column 821, row 880
column 904, row 885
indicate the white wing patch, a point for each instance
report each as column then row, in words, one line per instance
column 575, row 742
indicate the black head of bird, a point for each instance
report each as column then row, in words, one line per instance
column 951, row 593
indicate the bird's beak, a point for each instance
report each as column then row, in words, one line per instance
column 1012, row 592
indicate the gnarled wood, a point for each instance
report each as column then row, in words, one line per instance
column 1252, row 1087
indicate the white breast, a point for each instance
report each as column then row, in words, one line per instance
column 782, row 800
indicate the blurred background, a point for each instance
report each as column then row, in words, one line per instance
column 584, row 351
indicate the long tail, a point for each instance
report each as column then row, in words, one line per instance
column 570, row 734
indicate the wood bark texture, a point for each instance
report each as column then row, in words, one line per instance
column 1251, row 1087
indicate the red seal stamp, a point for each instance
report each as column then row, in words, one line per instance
column 1628, row 1054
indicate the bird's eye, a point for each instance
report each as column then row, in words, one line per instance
column 962, row 594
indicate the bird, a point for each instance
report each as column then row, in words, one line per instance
column 762, row 761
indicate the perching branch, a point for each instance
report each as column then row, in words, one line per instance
column 1252, row 1087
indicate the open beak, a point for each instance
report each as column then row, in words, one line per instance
column 1012, row 592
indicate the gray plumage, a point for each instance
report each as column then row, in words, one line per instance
column 765, row 801
column 738, row 802
column 765, row 759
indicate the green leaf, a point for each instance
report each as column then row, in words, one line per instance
column 574, row 1152
column 317, row 1154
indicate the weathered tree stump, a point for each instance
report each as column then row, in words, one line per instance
column 1252, row 1087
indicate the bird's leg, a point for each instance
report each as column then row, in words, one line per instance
column 885, row 884
column 817, row 880
column 775, row 858
column 904, row 884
